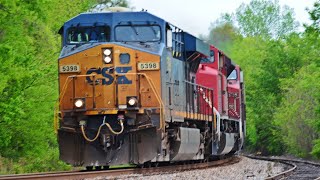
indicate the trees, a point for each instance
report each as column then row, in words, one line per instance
column 297, row 114
column 280, row 67
column 315, row 17
column 265, row 18
column 299, row 110
column 29, row 47
column 264, row 27
column 29, row 51
column 288, row 94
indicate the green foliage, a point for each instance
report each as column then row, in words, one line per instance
column 113, row 3
column 265, row 18
column 261, row 64
column 315, row 17
column 37, row 163
column 297, row 114
column 316, row 149
column 281, row 73
column 29, row 47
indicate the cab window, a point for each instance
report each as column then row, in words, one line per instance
column 79, row 35
column 138, row 33
column 233, row 75
column 208, row 59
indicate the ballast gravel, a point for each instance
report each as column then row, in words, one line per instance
column 245, row 169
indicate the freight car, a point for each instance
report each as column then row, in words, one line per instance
column 136, row 89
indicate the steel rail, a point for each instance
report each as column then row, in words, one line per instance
column 290, row 162
column 67, row 175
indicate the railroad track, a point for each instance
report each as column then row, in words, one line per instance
column 72, row 175
column 300, row 169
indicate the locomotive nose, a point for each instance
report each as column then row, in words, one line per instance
column 109, row 78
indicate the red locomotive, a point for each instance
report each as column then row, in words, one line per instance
column 226, row 79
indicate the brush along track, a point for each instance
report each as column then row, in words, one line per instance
column 299, row 170
column 117, row 172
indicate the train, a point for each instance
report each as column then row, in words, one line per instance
column 136, row 89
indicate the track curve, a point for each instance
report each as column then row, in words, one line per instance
column 300, row 169
column 117, row 172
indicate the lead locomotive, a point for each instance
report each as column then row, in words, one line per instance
column 135, row 89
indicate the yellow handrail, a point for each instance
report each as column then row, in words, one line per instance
column 65, row 84
column 149, row 80
column 56, row 117
column 57, row 106
column 160, row 102
column 59, row 100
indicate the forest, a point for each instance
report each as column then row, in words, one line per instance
column 281, row 65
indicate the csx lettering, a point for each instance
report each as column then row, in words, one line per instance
column 107, row 77
column 107, row 80
column 123, row 79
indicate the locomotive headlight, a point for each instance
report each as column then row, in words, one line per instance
column 107, row 52
column 132, row 101
column 107, row 59
column 107, row 55
column 79, row 103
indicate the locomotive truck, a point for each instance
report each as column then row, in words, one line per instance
column 136, row 89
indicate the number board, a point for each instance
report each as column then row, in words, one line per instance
column 148, row 66
column 69, row 68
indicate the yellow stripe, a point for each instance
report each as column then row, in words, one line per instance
column 196, row 116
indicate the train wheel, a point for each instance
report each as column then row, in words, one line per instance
column 105, row 167
column 98, row 168
column 89, row 168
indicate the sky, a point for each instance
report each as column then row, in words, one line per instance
column 195, row 17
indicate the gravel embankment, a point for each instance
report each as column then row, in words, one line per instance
column 245, row 169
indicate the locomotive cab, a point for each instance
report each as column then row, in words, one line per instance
column 109, row 74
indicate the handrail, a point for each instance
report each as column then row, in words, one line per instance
column 203, row 94
column 199, row 85
column 65, row 84
column 56, row 117
column 69, row 79
column 59, row 100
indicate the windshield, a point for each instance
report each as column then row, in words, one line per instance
column 233, row 75
column 208, row 59
column 79, row 35
column 139, row 33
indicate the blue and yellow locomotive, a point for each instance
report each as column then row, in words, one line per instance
column 128, row 93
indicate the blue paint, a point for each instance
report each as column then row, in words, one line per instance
column 107, row 77
column 122, row 79
column 113, row 19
